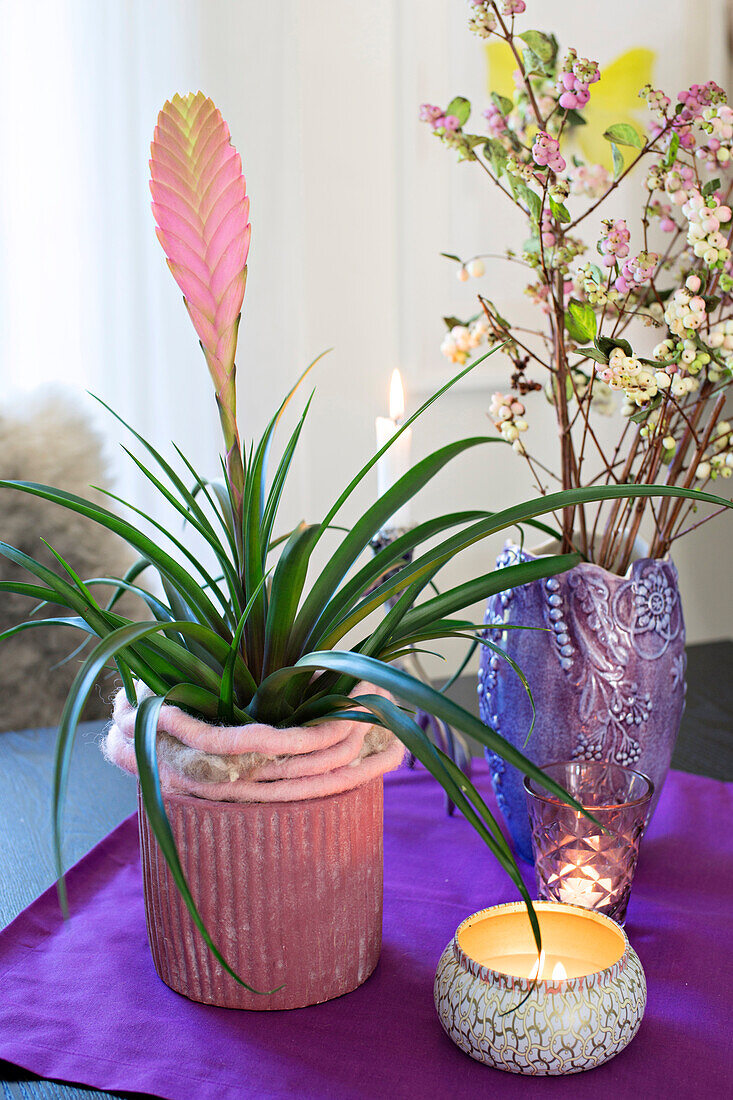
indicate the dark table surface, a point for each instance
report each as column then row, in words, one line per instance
column 100, row 796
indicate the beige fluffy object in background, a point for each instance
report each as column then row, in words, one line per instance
column 49, row 439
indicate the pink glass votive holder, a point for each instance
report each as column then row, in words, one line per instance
column 576, row 862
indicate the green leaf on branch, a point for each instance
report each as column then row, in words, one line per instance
column 580, row 321
column 560, row 211
column 460, row 107
column 540, row 44
column 533, row 201
column 474, row 139
column 496, row 154
column 532, row 64
column 451, row 322
column 618, row 160
column 710, row 187
column 504, row 105
column 622, row 133
column 574, row 118
column 594, row 353
column 672, row 151
column 450, row 256
column 606, row 345
column 520, row 190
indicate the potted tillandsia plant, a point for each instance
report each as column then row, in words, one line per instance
column 258, row 739
column 634, row 323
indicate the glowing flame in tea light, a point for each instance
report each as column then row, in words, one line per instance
column 582, row 885
column 539, row 970
column 491, row 1015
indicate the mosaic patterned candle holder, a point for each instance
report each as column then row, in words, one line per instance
column 575, row 861
column 490, row 1007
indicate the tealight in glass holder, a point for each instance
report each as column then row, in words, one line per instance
column 575, row 861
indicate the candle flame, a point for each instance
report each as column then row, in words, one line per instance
column 396, row 398
column 559, row 973
column 538, row 966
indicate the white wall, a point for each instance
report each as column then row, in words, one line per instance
column 352, row 200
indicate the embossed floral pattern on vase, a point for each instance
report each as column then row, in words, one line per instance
column 607, row 672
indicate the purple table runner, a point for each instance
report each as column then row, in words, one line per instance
column 80, row 1001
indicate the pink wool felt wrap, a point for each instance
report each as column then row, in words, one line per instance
column 256, row 763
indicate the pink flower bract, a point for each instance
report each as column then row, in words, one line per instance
column 201, row 208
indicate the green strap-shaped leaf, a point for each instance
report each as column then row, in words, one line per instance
column 62, row 620
column 365, row 528
column 163, row 562
column 278, row 482
column 383, row 562
column 499, row 580
column 226, row 708
column 418, row 694
column 155, row 606
column 69, row 596
column 146, row 729
column 454, row 600
column 457, row 786
column 359, row 477
column 255, row 544
column 109, row 647
column 185, row 551
column 34, row 591
column 187, row 506
column 136, row 569
column 528, row 510
column 388, row 629
column 287, row 587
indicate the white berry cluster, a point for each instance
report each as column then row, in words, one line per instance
column 483, row 19
column 685, row 312
column 705, row 217
column 508, row 416
column 641, row 382
column 595, row 292
column 718, row 122
column 626, row 372
column 691, row 356
column 462, row 339
column 721, row 339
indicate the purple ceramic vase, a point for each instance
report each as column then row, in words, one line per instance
column 607, row 673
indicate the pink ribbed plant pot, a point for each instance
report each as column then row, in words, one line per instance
column 291, row 893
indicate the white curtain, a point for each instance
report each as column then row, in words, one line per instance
column 85, row 296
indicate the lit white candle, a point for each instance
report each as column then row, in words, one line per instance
column 396, row 461
column 585, row 1005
